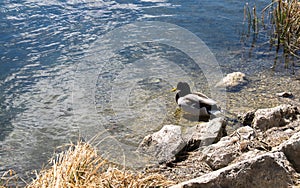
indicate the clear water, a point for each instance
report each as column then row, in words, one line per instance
column 57, row 85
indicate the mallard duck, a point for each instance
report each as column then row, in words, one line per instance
column 196, row 103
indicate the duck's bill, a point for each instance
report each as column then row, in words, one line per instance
column 174, row 89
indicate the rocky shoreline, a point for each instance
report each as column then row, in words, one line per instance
column 261, row 148
column 263, row 152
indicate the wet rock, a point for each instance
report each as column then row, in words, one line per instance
column 274, row 117
column 164, row 144
column 285, row 94
column 205, row 134
column 291, row 149
column 267, row 170
column 233, row 81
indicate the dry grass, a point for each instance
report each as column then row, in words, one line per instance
column 8, row 179
column 80, row 166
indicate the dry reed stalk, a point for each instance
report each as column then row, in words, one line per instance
column 10, row 179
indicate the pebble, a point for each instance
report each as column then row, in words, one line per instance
column 285, row 94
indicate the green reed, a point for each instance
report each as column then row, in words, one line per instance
column 251, row 16
column 282, row 19
column 286, row 22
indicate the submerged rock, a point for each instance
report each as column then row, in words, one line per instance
column 233, row 81
column 267, row 170
column 164, row 144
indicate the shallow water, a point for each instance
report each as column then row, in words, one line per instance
column 64, row 74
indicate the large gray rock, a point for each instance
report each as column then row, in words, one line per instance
column 228, row 148
column 275, row 136
column 248, row 155
column 291, row 149
column 233, row 81
column 274, row 117
column 220, row 154
column 205, row 134
column 164, row 144
column 267, row 170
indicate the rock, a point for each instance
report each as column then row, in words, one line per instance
column 274, row 117
column 229, row 148
column 220, row 154
column 182, row 170
column 291, row 149
column 267, row 170
column 275, row 136
column 247, row 118
column 246, row 133
column 248, row 155
column 233, row 81
column 164, row 144
column 205, row 134
column 285, row 94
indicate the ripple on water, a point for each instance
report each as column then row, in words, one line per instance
column 42, row 44
column 47, row 51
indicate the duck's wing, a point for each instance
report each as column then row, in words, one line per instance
column 190, row 101
column 200, row 95
column 200, row 101
column 197, row 105
column 201, row 98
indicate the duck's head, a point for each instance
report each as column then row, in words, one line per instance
column 182, row 89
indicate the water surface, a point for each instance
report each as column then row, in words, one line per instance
column 48, row 49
